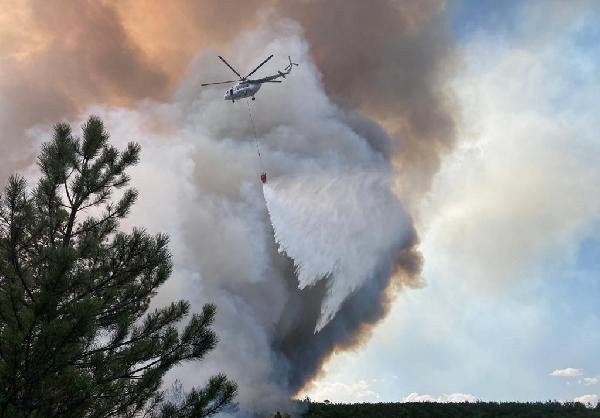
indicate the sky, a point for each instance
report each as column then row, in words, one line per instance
column 487, row 112
column 511, row 242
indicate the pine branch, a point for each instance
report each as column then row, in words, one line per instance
column 73, row 290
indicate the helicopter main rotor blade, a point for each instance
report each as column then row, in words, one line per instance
column 219, row 82
column 230, row 67
column 259, row 65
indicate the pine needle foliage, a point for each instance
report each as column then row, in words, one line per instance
column 76, row 337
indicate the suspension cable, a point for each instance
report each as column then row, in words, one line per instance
column 262, row 168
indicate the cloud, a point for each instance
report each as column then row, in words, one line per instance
column 444, row 398
column 360, row 391
column 588, row 381
column 568, row 372
column 588, row 399
column 520, row 187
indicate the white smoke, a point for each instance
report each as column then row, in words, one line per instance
column 338, row 227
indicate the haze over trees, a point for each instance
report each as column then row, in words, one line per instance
column 76, row 339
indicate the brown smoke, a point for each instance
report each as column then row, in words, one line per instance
column 389, row 59
column 66, row 55
column 171, row 33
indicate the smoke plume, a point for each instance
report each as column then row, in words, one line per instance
column 365, row 112
column 331, row 204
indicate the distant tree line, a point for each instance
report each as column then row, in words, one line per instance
column 452, row 410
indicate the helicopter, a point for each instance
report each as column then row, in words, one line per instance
column 246, row 87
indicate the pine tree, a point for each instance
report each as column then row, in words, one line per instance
column 76, row 339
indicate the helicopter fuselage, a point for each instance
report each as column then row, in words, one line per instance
column 242, row 90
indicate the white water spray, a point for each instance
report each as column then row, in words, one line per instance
column 339, row 227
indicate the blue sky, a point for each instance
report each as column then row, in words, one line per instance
column 511, row 241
